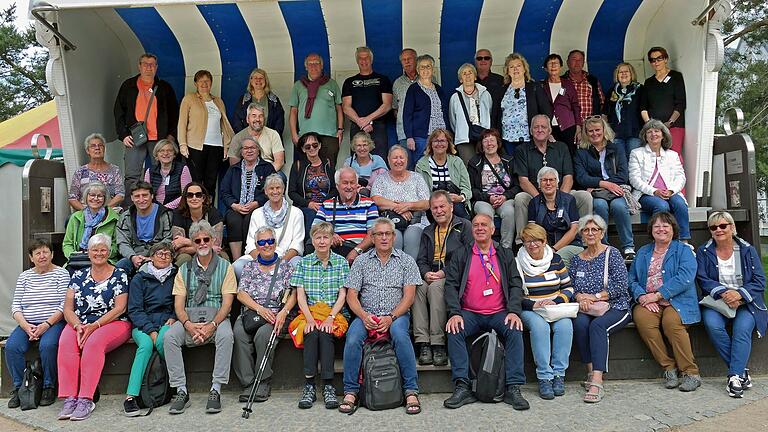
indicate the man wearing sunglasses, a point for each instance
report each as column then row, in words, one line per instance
column 483, row 63
column 203, row 291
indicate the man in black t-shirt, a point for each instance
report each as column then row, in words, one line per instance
column 366, row 101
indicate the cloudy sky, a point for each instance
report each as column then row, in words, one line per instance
column 21, row 10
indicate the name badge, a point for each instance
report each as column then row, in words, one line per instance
column 550, row 276
column 560, row 213
column 487, row 292
column 167, row 181
column 666, row 79
column 330, row 93
column 562, row 91
column 580, row 274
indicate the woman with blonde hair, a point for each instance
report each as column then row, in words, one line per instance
column 259, row 91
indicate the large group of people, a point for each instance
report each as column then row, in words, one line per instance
column 398, row 237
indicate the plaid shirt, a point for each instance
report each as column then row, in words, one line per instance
column 584, row 93
column 321, row 284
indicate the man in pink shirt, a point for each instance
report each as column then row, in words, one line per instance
column 483, row 292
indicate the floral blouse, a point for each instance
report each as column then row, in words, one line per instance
column 111, row 177
column 95, row 299
column 514, row 118
column 255, row 283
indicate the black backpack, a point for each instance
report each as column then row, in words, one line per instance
column 31, row 390
column 487, row 367
column 155, row 387
column 382, row 385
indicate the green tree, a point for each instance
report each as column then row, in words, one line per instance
column 22, row 67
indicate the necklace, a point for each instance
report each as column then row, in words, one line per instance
column 593, row 256
column 267, row 262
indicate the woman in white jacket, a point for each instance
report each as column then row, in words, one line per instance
column 286, row 220
column 658, row 177
column 477, row 104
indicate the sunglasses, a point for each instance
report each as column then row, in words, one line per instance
column 194, row 194
column 481, row 58
column 202, row 240
column 311, row 146
column 656, row 59
column 517, row 93
column 264, row 242
column 722, row 226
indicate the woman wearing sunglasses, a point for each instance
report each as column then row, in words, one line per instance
column 663, row 97
column 730, row 272
column 311, row 180
column 194, row 206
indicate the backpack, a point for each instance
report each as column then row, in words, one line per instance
column 487, row 367
column 382, row 386
column 155, row 386
column 31, row 390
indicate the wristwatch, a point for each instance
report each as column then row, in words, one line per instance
column 393, row 316
column 359, row 250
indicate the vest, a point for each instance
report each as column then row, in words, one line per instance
column 173, row 188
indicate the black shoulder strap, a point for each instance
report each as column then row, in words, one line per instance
column 493, row 170
column 149, row 105
column 333, row 219
column 464, row 108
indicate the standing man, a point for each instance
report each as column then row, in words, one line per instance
column 588, row 89
column 270, row 143
column 483, row 63
column 161, row 120
column 366, row 100
column 316, row 107
column 409, row 76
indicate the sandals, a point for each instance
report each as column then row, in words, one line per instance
column 587, row 381
column 594, row 397
column 348, row 407
column 412, row 407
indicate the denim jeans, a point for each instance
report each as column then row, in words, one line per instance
column 401, row 342
column 620, row 213
column 415, row 155
column 127, row 265
column 18, row 344
column 735, row 349
column 676, row 205
column 550, row 356
column 474, row 325
column 629, row 144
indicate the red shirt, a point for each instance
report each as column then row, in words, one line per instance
column 141, row 108
column 483, row 293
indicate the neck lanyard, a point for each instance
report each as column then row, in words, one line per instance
column 488, row 267
column 445, row 240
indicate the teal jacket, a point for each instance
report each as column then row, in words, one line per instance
column 75, row 232
column 456, row 169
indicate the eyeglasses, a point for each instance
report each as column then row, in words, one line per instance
column 483, row 58
column 311, row 146
column 202, row 240
column 440, row 140
column 163, row 254
column 547, row 180
column 656, row 59
column 594, row 117
column 96, row 196
column 591, row 230
column 533, row 242
column 249, row 148
column 384, row 234
column 264, row 242
column 722, row 226
column 194, row 195
column 95, row 146
column 149, row 65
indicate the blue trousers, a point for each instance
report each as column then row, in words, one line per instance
column 591, row 335
column 735, row 349
column 550, row 343
column 475, row 324
column 620, row 213
column 127, row 265
column 18, row 344
column 415, row 155
column 676, row 205
column 401, row 342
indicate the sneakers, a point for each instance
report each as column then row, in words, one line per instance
column 83, row 409
column 180, row 403
column 69, row 407
column 746, row 380
column 213, row 405
column 425, row 354
column 734, row 388
column 629, row 253
column 329, row 397
column 513, row 397
column 545, row 389
column 14, row 401
column 690, row 383
column 558, row 386
column 670, row 379
column 130, row 407
column 263, row 391
column 439, row 355
column 48, row 398
column 308, row 396
column 462, row 395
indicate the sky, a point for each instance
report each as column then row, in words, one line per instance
column 21, row 11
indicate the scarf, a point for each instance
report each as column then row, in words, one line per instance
column 531, row 267
column 276, row 219
column 248, row 191
column 312, row 87
column 204, row 277
column 91, row 221
column 624, row 97
column 159, row 274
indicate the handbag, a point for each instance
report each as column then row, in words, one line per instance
column 475, row 131
column 31, row 390
column 138, row 130
column 599, row 308
column 401, row 223
column 603, row 194
column 719, row 305
column 252, row 321
column 552, row 313
column 78, row 260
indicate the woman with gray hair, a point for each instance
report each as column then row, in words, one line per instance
column 424, row 110
column 658, row 177
column 168, row 176
column 469, row 112
column 599, row 278
column 367, row 166
column 95, row 217
column 97, row 169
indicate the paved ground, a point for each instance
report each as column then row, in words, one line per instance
column 629, row 406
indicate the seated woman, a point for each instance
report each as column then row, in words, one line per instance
column 366, row 165
column 599, row 278
column 319, row 281
column 494, row 184
column 259, row 91
column 168, row 176
column 96, row 299
column 242, row 190
column 150, row 309
column 403, row 197
column 194, row 206
column 443, row 170
column 546, row 281
column 729, row 269
column 556, row 212
column 658, row 177
column 311, row 180
column 661, row 281
column 601, row 167
column 261, row 289
column 95, row 217
column 286, row 220
column 38, row 301
column 97, row 169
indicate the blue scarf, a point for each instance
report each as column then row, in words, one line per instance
column 247, row 191
column 91, row 220
column 624, row 96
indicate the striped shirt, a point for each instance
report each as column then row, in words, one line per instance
column 554, row 284
column 38, row 296
column 440, row 175
column 321, row 284
column 351, row 222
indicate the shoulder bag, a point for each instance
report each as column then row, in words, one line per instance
column 252, row 321
column 599, row 308
column 138, row 130
column 474, row 130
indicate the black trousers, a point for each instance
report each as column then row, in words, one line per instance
column 567, row 136
column 204, row 166
column 318, row 344
column 237, row 225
